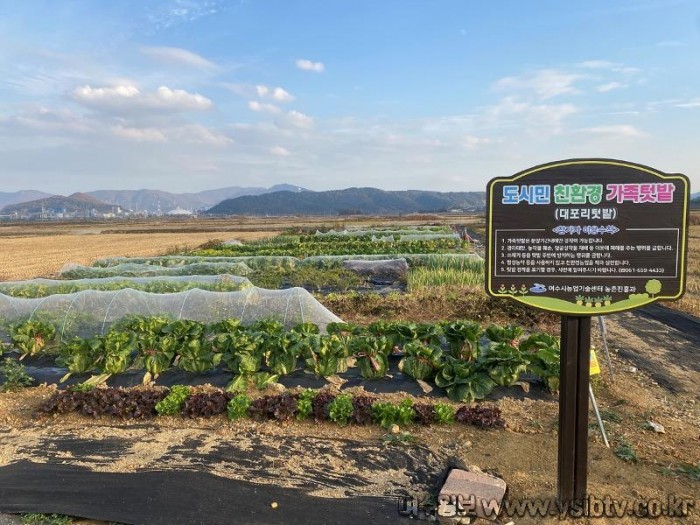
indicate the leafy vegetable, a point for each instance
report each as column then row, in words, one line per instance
column 372, row 355
column 305, row 403
column 544, row 354
column 15, row 376
column 387, row 414
column 463, row 381
column 504, row 363
column 480, row 416
column 237, row 407
column 31, row 337
column 462, row 339
column 421, row 361
column 341, row 409
column 174, row 401
column 444, row 413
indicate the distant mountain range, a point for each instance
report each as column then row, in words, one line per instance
column 78, row 202
column 157, row 200
column 20, row 196
column 152, row 201
column 350, row 201
column 282, row 199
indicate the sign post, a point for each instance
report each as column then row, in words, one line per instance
column 585, row 237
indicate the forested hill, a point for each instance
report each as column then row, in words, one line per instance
column 350, row 201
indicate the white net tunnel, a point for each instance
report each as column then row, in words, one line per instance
column 32, row 288
column 131, row 269
column 90, row 312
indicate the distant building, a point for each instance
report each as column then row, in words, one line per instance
column 179, row 212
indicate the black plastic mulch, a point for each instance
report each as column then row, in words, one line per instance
column 176, row 497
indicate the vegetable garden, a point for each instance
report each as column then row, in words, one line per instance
column 274, row 347
column 124, row 315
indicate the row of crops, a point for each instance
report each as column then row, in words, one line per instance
column 309, row 404
column 463, row 358
column 303, row 246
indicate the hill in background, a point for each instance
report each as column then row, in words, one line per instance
column 158, row 200
column 350, row 201
column 79, row 203
column 7, row 198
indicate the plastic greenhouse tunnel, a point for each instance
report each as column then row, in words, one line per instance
column 91, row 312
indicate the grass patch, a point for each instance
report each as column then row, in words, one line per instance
column 692, row 471
column 610, row 416
column 625, row 452
column 46, row 519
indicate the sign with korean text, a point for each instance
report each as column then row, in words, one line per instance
column 587, row 236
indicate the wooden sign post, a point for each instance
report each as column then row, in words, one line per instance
column 585, row 237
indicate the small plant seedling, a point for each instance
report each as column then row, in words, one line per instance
column 305, row 404
column 15, row 375
column 341, row 409
column 402, row 438
column 237, row 408
column 173, row 402
column 444, row 413
column 625, row 452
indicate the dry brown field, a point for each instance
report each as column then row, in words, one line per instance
column 40, row 249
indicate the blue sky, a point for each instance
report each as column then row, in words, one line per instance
column 188, row 95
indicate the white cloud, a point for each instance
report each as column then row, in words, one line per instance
column 139, row 134
column 262, row 107
column 280, row 151
column 128, row 98
column 308, row 65
column 179, row 56
column 546, row 83
column 47, row 121
column 198, row 134
column 189, row 133
column 472, row 142
column 279, row 94
column 695, row 103
column 610, row 66
column 294, row 119
column 512, row 112
column 298, row 120
column 610, row 86
column 616, row 131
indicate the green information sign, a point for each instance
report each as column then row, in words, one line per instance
column 587, row 236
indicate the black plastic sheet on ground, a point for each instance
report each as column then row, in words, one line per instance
column 176, row 497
